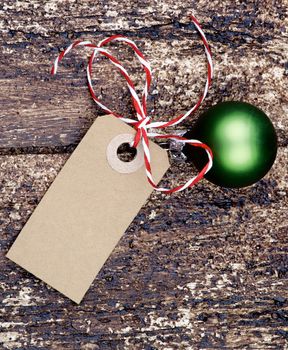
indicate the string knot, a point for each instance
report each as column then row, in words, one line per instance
column 141, row 130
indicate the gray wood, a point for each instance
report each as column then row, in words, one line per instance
column 204, row 269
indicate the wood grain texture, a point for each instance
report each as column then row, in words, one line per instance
column 204, row 269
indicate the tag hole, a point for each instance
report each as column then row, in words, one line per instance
column 126, row 153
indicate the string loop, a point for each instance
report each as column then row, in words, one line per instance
column 143, row 122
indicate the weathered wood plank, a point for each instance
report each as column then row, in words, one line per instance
column 204, row 269
column 41, row 111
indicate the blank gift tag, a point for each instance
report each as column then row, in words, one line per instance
column 86, row 210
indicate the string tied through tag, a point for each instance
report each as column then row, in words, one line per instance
column 144, row 122
column 140, row 127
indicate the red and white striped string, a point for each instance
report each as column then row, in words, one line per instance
column 143, row 122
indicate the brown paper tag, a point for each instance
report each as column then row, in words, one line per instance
column 86, row 210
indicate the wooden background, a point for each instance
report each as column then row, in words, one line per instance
column 204, row 269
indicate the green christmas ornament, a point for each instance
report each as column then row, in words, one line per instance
column 243, row 141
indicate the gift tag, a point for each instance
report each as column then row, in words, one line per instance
column 87, row 209
column 96, row 195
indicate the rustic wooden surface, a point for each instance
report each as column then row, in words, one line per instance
column 205, row 269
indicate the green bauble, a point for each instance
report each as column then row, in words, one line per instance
column 243, row 141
